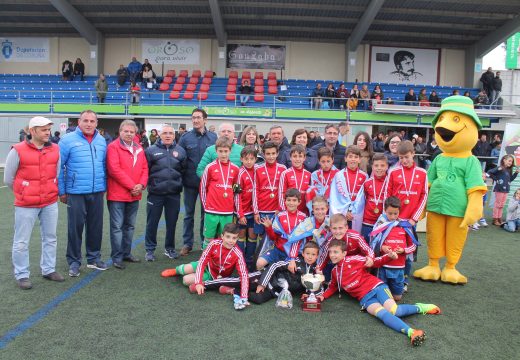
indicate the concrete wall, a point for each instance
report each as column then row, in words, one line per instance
column 511, row 86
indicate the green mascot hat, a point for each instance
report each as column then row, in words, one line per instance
column 460, row 104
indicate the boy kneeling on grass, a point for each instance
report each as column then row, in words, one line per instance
column 350, row 275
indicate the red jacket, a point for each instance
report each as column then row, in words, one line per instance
column 125, row 170
column 35, row 184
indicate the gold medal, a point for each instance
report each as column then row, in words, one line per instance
column 376, row 210
column 406, row 201
column 271, row 196
column 219, row 277
column 225, row 195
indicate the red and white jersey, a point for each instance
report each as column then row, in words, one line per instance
column 321, row 180
column 351, row 276
column 288, row 220
column 373, row 190
column 398, row 238
column 244, row 199
column 297, row 179
column 267, row 181
column 356, row 245
column 221, row 262
column 410, row 185
column 216, row 188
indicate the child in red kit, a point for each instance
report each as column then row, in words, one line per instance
column 296, row 177
column 322, row 178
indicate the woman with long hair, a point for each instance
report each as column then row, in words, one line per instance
column 391, row 144
column 250, row 137
column 301, row 137
column 364, row 143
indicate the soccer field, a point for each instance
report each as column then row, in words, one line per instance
column 136, row 314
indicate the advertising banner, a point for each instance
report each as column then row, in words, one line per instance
column 171, row 51
column 24, row 49
column 512, row 49
column 511, row 146
column 244, row 56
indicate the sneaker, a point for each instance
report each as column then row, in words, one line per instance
column 74, row 271
column 98, row 265
column 169, row 273
column 131, row 259
column 24, row 283
column 149, row 256
column 474, row 227
column 119, row 265
column 226, row 290
column 185, row 250
column 482, row 222
column 428, row 309
column 171, row 253
column 405, row 288
column 417, row 337
column 54, row 276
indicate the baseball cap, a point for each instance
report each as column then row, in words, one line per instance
column 39, row 121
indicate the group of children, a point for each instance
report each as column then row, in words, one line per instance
column 288, row 209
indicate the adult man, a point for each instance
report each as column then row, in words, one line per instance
column 195, row 142
column 482, row 148
column 31, row 171
column 487, row 81
column 226, row 130
column 122, row 75
column 101, row 87
column 82, row 183
column 276, row 135
column 331, row 141
column 497, row 89
column 179, row 133
column 344, row 129
column 166, row 162
column 317, row 96
column 127, row 177
column 410, row 98
column 134, row 68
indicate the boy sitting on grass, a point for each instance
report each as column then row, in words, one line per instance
column 350, row 275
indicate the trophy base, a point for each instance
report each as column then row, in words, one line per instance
column 311, row 306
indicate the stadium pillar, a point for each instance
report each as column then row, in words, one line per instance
column 221, row 61
column 96, row 60
column 350, row 63
column 473, row 68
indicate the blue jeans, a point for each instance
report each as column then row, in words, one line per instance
column 84, row 212
column 24, row 219
column 154, row 209
column 244, row 99
column 190, row 201
column 122, row 221
column 512, row 225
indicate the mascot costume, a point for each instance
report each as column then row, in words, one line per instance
column 456, row 189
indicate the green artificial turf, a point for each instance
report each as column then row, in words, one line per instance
column 136, row 314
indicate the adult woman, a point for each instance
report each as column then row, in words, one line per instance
column 434, row 99
column 147, row 74
column 379, row 143
column 79, row 68
column 153, row 136
column 301, row 137
column 377, row 94
column 330, row 94
column 391, row 145
column 250, row 137
column 66, row 70
column 144, row 139
column 423, row 98
column 364, row 143
column 364, row 96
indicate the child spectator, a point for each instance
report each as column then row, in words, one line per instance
column 244, row 203
column 216, row 191
column 135, row 93
column 346, row 186
column 322, row 178
column 397, row 237
column 513, row 213
column 279, row 230
column 295, row 177
column 373, row 191
column 349, row 275
column 502, row 176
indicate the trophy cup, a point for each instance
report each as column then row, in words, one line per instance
column 312, row 283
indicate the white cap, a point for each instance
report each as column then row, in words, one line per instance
column 39, row 121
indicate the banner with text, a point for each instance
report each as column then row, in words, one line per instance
column 512, row 50
column 244, row 56
column 24, row 49
column 171, row 51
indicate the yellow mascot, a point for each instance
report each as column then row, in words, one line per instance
column 456, row 189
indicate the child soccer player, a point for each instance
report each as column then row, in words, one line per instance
column 322, row 178
column 279, row 231
column 502, row 176
column 373, row 190
column 394, row 238
column 355, row 244
column 244, row 204
column 345, row 188
column 219, row 260
column 216, row 191
column 296, row 177
column 409, row 184
column 349, row 275
column 267, row 181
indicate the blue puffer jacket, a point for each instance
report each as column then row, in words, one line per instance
column 83, row 165
column 165, row 168
column 195, row 145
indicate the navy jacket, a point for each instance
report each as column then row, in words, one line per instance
column 165, row 168
column 195, row 144
column 339, row 154
column 502, row 179
column 311, row 160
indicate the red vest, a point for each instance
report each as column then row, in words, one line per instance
column 35, row 184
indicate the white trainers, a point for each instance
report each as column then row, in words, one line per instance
column 482, row 222
column 474, row 227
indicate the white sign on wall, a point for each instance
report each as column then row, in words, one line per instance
column 404, row 65
column 171, row 51
column 24, row 49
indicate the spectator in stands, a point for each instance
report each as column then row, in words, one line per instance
column 331, row 142
column 245, row 92
column 403, row 135
column 466, row 93
column 317, row 96
column 410, row 98
column 364, row 143
column 393, row 141
column 481, row 100
column 482, row 149
column 146, row 75
column 154, row 136
column 135, row 93
column 301, row 137
column 355, row 91
column 352, row 102
column 364, row 96
column 101, row 88
column 122, row 75
column 314, row 139
column 146, row 63
column 79, row 69
column 487, row 81
column 379, row 143
column 456, row 92
column 342, row 96
column 134, row 68
column 423, row 98
column 495, row 152
column 420, row 148
column 496, row 139
column 377, row 94
column 66, row 70
column 434, row 99
column 179, row 133
column 497, row 89
column 56, row 138
column 330, row 94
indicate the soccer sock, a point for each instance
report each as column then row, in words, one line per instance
column 392, row 321
column 242, row 244
column 180, row 269
column 250, row 249
column 404, row 310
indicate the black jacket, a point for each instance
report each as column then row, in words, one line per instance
column 195, row 144
column 482, row 149
column 497, row 83
column 79, row 68
column 410, row 97
column 165, row 168
column 278, row 270
column 487, row 78
column 284, row 146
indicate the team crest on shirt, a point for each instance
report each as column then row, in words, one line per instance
column 360, row 178
column 175, row 154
